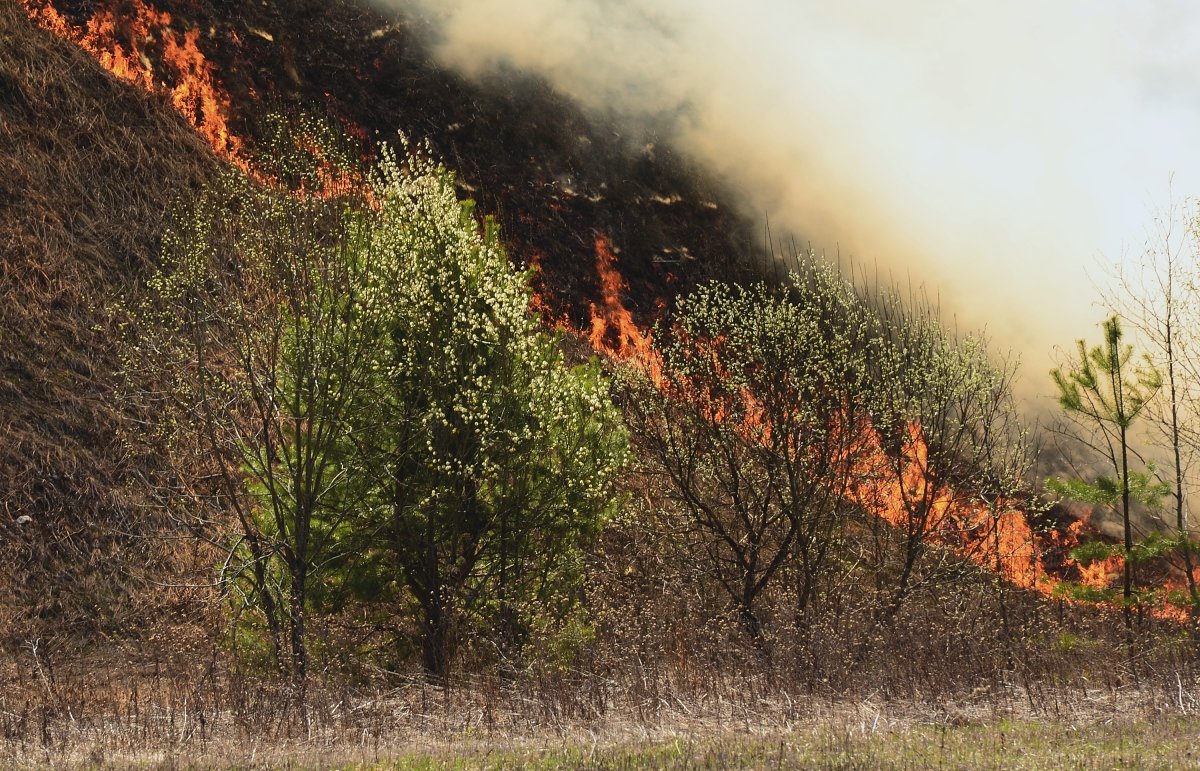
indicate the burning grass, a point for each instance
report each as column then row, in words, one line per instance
column 147, row 31
column 1004, row 532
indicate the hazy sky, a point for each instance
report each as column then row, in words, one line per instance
column 996, row 152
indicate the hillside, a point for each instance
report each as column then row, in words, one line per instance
column 91, row 166
column 616, row 225
column 552, row 175
column 87, row 169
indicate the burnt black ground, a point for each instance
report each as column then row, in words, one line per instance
column 551, row 175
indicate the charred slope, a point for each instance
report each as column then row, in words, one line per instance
column 87, row 169
column 553, row 176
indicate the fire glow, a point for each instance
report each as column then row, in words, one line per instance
column 193, row 88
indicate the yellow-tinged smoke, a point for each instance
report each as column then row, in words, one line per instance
column 994, row 152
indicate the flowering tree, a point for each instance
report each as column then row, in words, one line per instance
column 491, row 461
column 356, row 366
column 753, row 427
column 946, row 418
column 259, row 351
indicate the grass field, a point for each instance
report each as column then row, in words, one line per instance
column 1172, row 743
column 1145, row 742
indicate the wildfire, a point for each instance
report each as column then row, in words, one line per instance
column 612, row 330
column 992, row 534
column 1099, row 574
column 122, row 44
column 996, row 537
column 130, row 41
column 1020, row 563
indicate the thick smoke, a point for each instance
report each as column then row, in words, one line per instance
column 994, row 152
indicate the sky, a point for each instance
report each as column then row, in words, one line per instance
column 999, row 154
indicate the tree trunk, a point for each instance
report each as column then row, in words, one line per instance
column 270, row 611
column 435, row 639
column 299, row 650
column 1181, row 523
column 1001, row 599
column 435, row 632
column 750, row 622
column 1128, row 576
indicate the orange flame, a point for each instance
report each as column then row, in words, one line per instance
column 613, row 330
column 989, row 533
column 1099, row 574
column 992, row 534
column 193, row 91
column 193, row 88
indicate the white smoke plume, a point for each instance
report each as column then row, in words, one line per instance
column 993, row 152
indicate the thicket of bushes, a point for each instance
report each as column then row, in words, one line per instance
column 400, row 469
column 386, row 431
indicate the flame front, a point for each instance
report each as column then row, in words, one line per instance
column 612, row 330
column 193, row 89
column 993, row 534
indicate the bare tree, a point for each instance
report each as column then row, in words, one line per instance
column 751, row 423
column 1158, row 298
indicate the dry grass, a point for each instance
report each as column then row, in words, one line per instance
column 169, row 723
column 88, row 167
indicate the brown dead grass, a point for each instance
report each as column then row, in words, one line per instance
column 88, row 168
column 171, row 721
